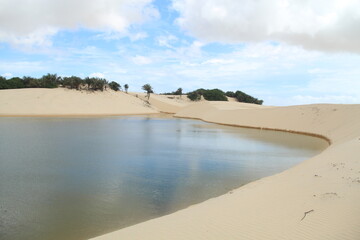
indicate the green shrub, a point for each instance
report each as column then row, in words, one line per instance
column 53, row 81
column 179, row 91
column 50, row 81
column 243, row 97
column 214, row 95
column 230, row 94
column 72, row 82
column 12, row 83
column 3, row 83
column 209, row 94
column 194, row 96
column 114, row 86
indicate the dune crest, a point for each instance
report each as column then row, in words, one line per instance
column 66, row 102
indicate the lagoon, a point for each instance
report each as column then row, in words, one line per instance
column 76, row 178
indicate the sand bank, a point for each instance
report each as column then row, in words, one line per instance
column 65, row 102
column 317, row 199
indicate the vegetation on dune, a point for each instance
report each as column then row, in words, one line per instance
column 95, row 83
column 46, row 81
column 194, row 96
column 219, row 95
column 50, row 80
column 72, row 82
column 13, row 83
column 208, row 94
column 178, row 92
column 100, row 84
column 54, row 81
column 243, row 97
column 230, row 94
column 214, row 95
column 148, row 88
column 115, row 86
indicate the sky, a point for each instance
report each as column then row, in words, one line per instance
column 286, row 52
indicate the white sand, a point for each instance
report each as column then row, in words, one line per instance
column 62, row 102
column 165, row 103
column 328, row 184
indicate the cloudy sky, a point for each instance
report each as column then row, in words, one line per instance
column 283, row 51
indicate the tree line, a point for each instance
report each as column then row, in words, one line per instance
column 101, row 84
column 55, row 81
column 178, row 92
column 219, row 95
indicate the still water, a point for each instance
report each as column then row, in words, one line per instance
column 68, row 178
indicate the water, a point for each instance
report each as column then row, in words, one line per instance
column 64, row 178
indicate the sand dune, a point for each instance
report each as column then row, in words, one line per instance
column 317, row 199
column 60, row 101
column 165, row 103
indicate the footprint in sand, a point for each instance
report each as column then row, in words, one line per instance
column 329, row 195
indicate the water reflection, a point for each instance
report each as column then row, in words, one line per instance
column 78, row 178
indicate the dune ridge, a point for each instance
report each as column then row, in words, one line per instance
column 67, row 102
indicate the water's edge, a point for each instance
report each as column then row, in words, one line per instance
column 171, row 116
column 326, row 139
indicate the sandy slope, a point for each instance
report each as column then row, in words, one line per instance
column 165, row 103
column 61, row 101
column 326, row 186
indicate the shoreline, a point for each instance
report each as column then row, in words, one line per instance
column 292, row 202
column 328, row 140
column 79, row 115
column 159, row 113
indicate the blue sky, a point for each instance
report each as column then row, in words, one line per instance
column 285, row 52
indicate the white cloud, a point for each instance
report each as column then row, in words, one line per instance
column 116, row 68
column 329, row 25
column 192, row 50
column 166, row 41
column 33, row 22
column 319, row 71
column 97, row 75
column 23, row 67
column 7, row 75
column 339, row 83
column 138, row 36
column 141, row 60
column 308, row 99
column 218, row 61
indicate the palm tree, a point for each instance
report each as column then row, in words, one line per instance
column 126, row 88
column 89, row 82
column 50, row 80
column 147, row 87
column 72, row 82
column 179, row 92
